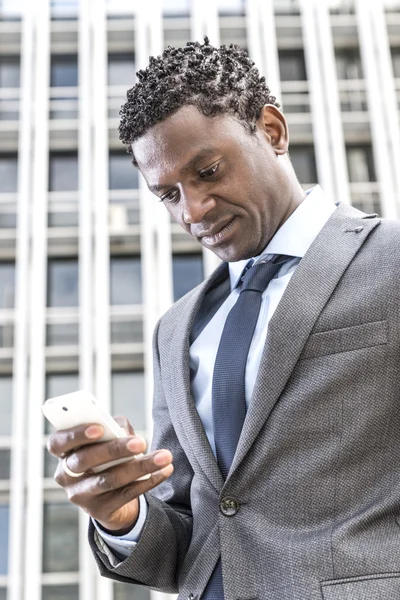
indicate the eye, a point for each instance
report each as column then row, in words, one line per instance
column 171, row 196
column 209, row 172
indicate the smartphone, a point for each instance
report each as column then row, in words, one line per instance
column 79, row 408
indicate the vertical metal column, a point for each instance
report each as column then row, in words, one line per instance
column 38, row 280
column 262, row 43
column 204, row 21
column 20, row 366
column 389, row 93
column 87, row 572
column 99, row 199
column 332, row 104
column 369, row 46
column 322, row 141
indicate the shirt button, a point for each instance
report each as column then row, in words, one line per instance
column 229, row 506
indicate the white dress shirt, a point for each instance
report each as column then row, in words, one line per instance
column 293, row 238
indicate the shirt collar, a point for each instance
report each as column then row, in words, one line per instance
column 297, row 233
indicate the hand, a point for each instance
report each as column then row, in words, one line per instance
column 111, row 496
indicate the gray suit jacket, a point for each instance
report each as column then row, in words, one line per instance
column 316, row 475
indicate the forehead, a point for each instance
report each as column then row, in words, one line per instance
column 181, row 136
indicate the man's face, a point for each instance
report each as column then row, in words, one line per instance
column 221, row 183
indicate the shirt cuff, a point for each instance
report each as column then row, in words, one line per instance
column 124, row 544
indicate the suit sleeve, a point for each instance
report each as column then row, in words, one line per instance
column 157, row 559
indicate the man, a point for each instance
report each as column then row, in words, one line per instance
column 275, row 463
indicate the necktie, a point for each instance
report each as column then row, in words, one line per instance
column 228, row 387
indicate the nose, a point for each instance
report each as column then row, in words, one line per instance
column 195, row 205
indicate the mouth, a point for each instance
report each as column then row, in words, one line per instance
column 218, row 234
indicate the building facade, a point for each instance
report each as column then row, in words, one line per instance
column 89, row 260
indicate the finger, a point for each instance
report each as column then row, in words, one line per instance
column 125, row 424
column 112, row 502
column 92, row 456
column 65, row 441
column 87, row 489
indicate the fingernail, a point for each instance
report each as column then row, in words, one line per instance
column 94, row 431
column 136, row 444
column 162, row 458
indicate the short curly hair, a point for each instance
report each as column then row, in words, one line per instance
column 214, row 80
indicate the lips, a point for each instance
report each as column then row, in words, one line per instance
column 217, row 234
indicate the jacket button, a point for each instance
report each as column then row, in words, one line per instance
column 191, row 597
column 229, row 506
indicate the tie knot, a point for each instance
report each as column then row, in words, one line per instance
column 259, row 275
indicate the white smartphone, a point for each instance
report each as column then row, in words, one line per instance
column 79, row 408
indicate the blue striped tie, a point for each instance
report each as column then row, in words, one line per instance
column 228, row 388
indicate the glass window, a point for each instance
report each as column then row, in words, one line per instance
column 187, row 272
column 348, row 63
column 176, row 8
column 126, row 280
column 360, row 163
column 60, row 537
column 58, row 384
column 7, row 284
column 60, row 592
column 126, row 591
column 8, row 173
column 3, row 594
column 64, row 71
column 62, row 282
column 6, row 336
column 303, row 161
column 63, row 172
column 127, row 393
column 50, row 463
column 4, row 516
column 126, row 332
column 231, row 7
column 62, row 334
column 122, row 174
column 9, row 72
column 396, row 61
column 121, row 69
column 5, row 458
column 5, row 404
column 292, row 65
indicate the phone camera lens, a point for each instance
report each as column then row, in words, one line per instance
column 65, row 408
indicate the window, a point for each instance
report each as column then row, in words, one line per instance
column 121, row 69
column 3, row 594
column 62, row 334
column 7, row 284
column 360, row 164
column 64, row 70
column 127, row 393
column 126, row 332
column 303, row 161
column 8, row 173
column 62, row 282
column 187, row 272
column 63, row 172
column 348, row 63
column 4, row 516
column 9, row 72
column 126, row 591
column 58, row 384
column 122, row 174
column 5, row 458
column 231, row 7
column 60, row 537
column 5, row 404
column 176, row 8
column 396, row 61
column 60, row 592
column 292, row 65
column 125, row 280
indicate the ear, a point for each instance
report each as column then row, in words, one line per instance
column 273, row 125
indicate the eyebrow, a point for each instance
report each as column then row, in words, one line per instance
column 204, row 153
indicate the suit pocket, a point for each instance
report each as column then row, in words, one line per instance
column 346, row 339
column 384, row 586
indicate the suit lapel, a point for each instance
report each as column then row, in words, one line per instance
column 308, row 291
column 181, row 404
